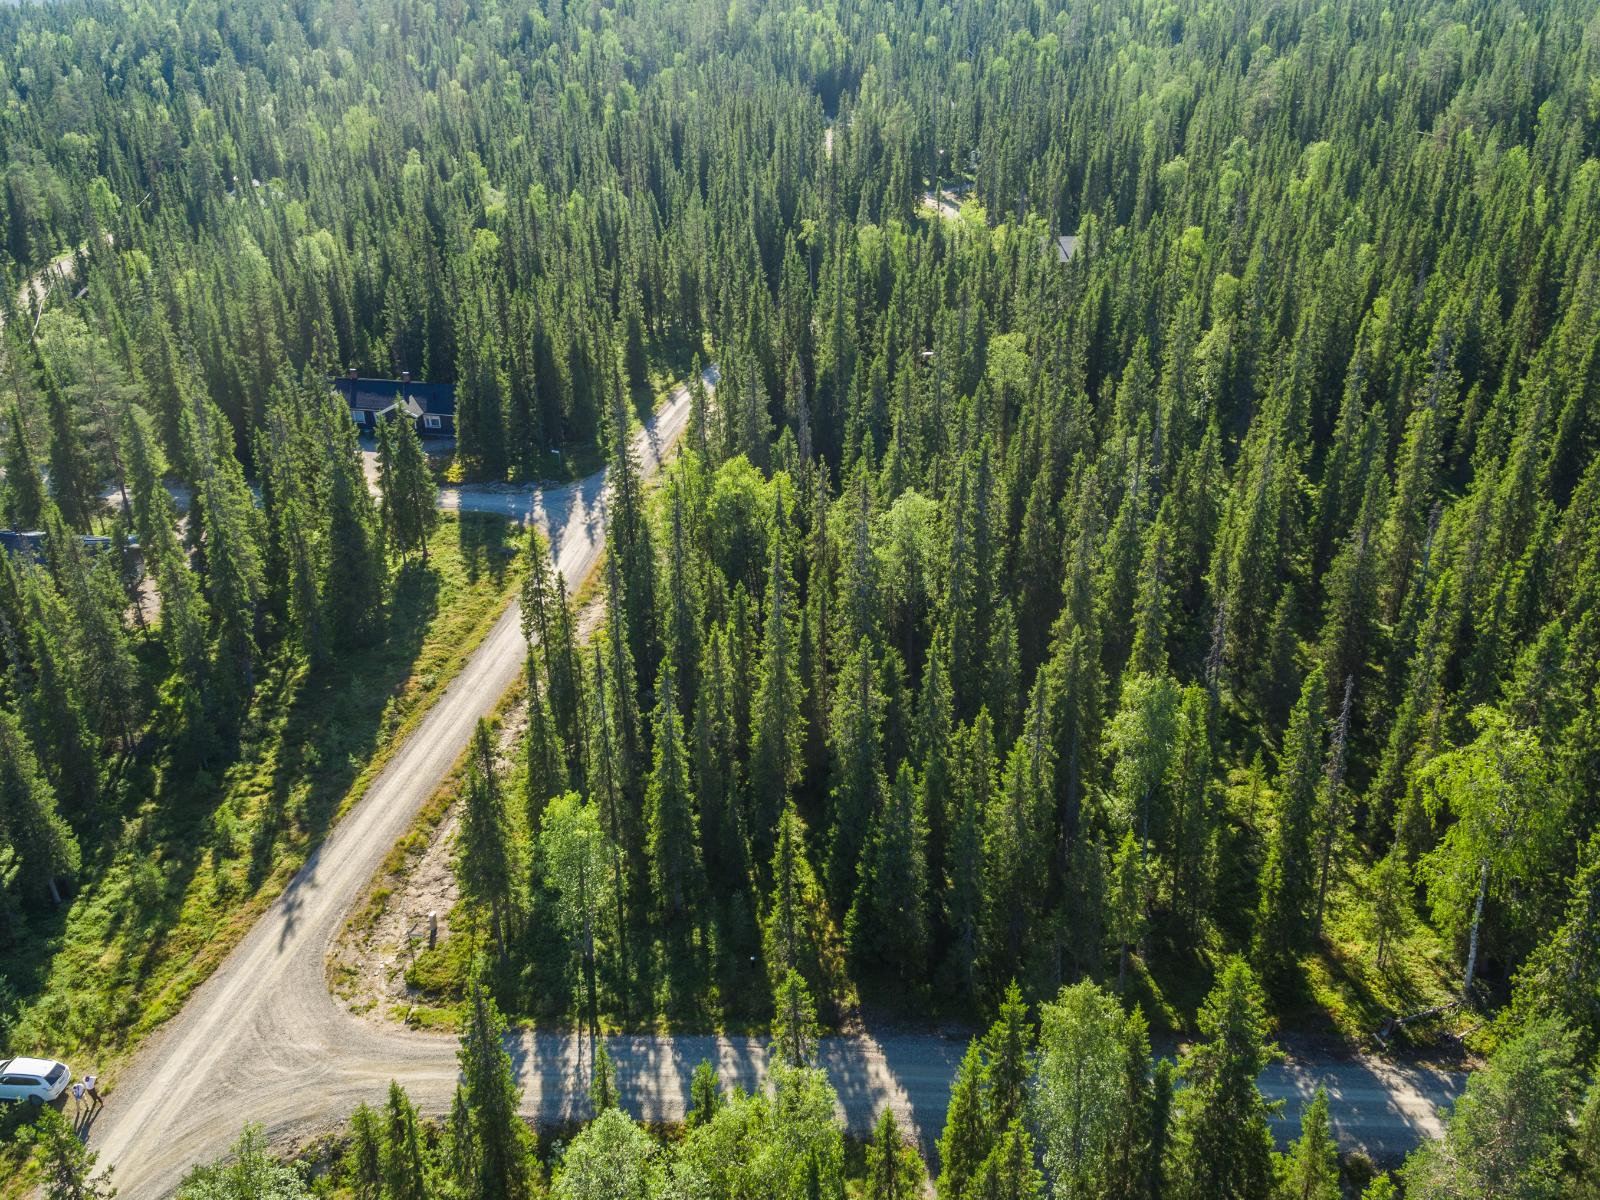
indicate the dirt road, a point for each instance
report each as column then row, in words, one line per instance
column 262, row 1040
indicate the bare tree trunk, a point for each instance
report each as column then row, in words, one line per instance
column 1477, row 924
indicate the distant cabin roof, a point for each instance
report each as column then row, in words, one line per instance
column 382, row 395
column 1066, row 246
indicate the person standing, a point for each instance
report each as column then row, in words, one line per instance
column 77, row 1102
column 89, row 1082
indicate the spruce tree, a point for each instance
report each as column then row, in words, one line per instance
column 777, row 726
column 1288, row 886
column 673, row 835
column 24, row 489
column 488, row 859
column 894, row 1169
column 502, row 1154
column 1223, row 1139
column 968, row 1137
column 887, row 925
column 407, row 1174
column 1311, row 1169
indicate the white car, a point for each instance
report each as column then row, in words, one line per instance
column 39, row 1080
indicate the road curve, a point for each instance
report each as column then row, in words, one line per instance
column 263, row 1040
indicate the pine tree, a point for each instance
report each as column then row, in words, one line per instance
column 224, row 515
column 1007, row 1050
column 409, row 508
column 547, row 628
column 602, row 1080
column 1015, row 849
column 184, row 618
column 1009, row 1172
column 856, row 730
column 353, row 578
column 962, row 885
column 544, row 756
column 705, row 1096
column 364, row 1159
column 72, row 482
column 1127, row 917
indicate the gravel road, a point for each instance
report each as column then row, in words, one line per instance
column 262, row 1040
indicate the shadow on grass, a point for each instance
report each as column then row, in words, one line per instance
column 488, row 545
column 333, row 723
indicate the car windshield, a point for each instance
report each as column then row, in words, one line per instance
column 56, row 1073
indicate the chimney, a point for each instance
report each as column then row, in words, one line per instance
column 405, row 376
column 351, row 373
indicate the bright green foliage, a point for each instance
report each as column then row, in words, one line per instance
column 1312, row 393
column 612, row 1159
column 1311, row 1169
column 1497, row 792
column 66, row 1165
column 1506, row 1135
column 576, row 859
column 249, row 1173
column 705, row 1095
column 794, row 1022
column 1075, row 1090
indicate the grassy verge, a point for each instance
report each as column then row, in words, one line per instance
column 188, row 864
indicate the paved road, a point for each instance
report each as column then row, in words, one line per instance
column 262, row 1040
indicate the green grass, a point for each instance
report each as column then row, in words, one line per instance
column 188, row 862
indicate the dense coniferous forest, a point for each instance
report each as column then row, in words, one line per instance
column 1138, row 568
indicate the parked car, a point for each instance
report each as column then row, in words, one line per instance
column 38, row 1080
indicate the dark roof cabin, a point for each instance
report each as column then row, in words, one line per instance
column 430, row 406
